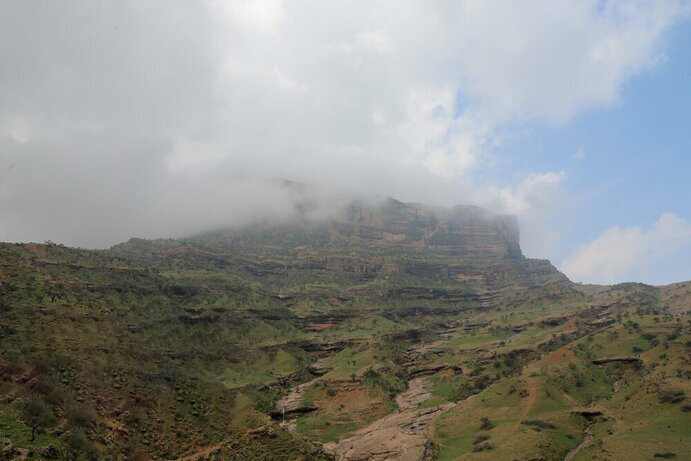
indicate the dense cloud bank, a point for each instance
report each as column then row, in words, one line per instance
column 169, row 118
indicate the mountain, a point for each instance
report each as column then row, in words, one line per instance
column 419, row 253
column 383, row 331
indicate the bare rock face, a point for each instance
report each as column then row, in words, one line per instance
column 397, row 437
column 621, row 359
column 427, row 257
column 426, row 370
column 292, row 404
column 400, row 436
column 461, row 230
column 419, row 390
column 459, row 255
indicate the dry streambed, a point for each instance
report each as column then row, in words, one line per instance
column 400, row 436
column 587, row 440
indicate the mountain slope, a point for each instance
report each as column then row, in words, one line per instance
column 387, row 327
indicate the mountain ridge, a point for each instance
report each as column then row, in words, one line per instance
column 434, row 239
column 385, row 333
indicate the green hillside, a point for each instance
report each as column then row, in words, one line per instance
column 397, row 332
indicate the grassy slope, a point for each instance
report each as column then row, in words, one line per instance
column 189, row 351
column 635, row 424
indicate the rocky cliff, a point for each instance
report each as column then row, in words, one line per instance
column 411, row 251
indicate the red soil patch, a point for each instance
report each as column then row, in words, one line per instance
column 352, row 399
column 532, row 395
column 560, row 356
column 113, row 425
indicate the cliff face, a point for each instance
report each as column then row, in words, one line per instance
column 460, row 231
column 374, row 253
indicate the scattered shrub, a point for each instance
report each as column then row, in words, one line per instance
column 78, row 443
column 480, row 438
column 671, row 395
column 486, row 424
column 47, row 386
column 538, row 423
column 482, row 447
column 37, row 415
column 81, row 416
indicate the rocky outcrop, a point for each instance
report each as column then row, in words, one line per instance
column 601, row 322
column 604, row 360
column 588, row 412
column 461, row 245
column 553, row 321
column 427, row 370
column 293, row 403
column 397, row 437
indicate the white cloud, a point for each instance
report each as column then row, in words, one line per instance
column 512, row 62
column 257, row 15
column 620, row 254
column 534, row 200
column 287, row 83
column 580, row 154
column 537, row 190
column 17, row 129
column 376, row 41
column 127, row 98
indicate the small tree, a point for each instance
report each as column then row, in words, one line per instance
column 37, row 415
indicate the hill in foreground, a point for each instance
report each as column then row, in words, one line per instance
column 395, row 331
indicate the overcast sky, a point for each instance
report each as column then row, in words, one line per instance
column 165, row 118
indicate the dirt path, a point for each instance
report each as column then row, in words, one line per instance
column 528, row 404
column 530, row 400
column 568, row 398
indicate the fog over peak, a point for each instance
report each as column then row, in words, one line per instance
column 162, row 119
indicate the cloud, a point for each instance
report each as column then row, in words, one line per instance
column 534, row 191
column 621, row 254
column 16, row 129
column 108, row 109
column 551, row 60
column 375, row 41
column 580, row 154
column 535, row 200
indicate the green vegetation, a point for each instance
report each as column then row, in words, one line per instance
column 37, row 415
column 163, row 349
